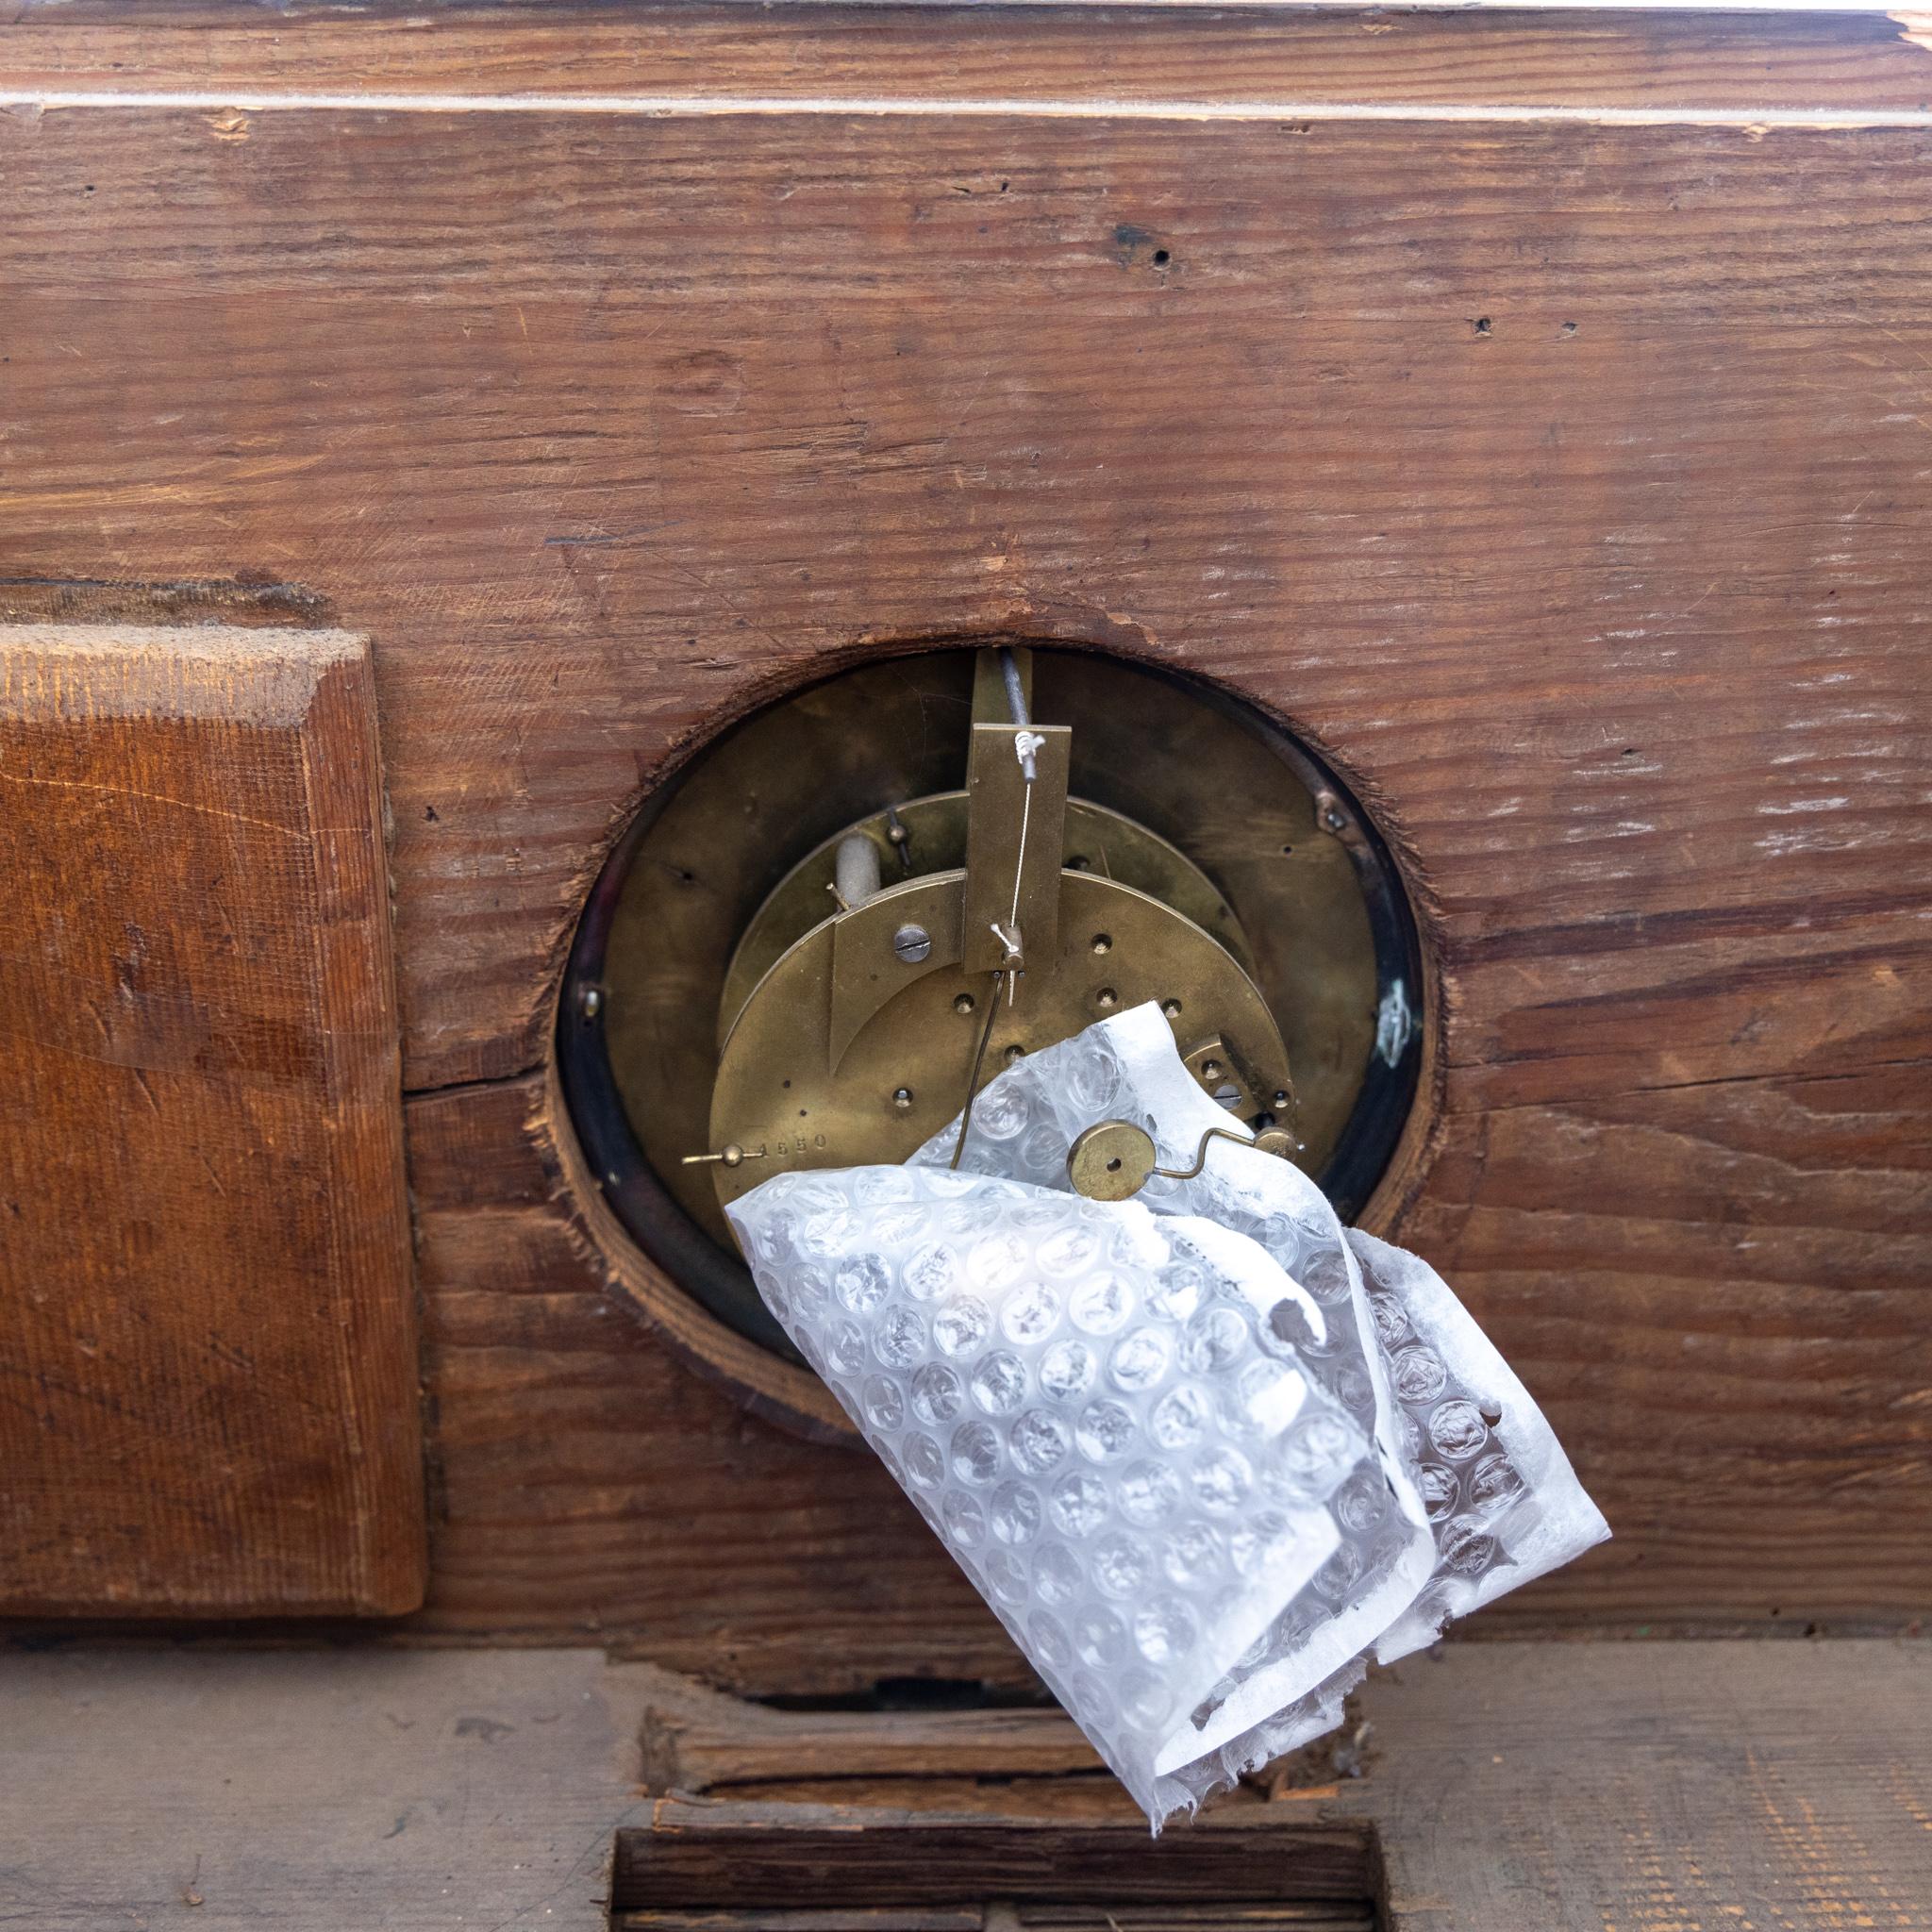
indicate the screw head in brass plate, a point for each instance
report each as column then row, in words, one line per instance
column 1110, row 1161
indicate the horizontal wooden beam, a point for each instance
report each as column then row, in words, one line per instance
column 1058, row 58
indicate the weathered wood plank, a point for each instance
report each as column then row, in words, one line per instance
column 1738, row 1393
column 1707, row 1786
column 745, row 1856
column 1577, row 59
column 1565, row 482
column 207, row 1345
column 639, row 434
column 1327, row 1915
column 1521, row 1787
column 1527, row 1788
column 697, row 1739
column 319, row 1791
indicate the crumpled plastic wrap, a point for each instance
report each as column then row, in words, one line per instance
column 1203, row 1451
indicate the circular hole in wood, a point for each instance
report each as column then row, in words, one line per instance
column 1330, row 944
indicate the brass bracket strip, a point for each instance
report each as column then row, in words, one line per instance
column 1006, row 886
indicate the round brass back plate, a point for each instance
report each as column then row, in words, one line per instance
column 902, row 1075
column 1310, row 890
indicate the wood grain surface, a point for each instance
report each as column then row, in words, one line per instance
column 744, row 1858
column 1054, row 56
column 335, row 1790
column 699, row 1740
column 1713, row 1789
column 1307, row 1915
column 207, row 1345
column 1526, row 1788
column 1565, row 482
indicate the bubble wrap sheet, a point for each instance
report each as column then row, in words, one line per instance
column 1204, row 1452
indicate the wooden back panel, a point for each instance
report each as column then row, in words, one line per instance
column 1531, row 411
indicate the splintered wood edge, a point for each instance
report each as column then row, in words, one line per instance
column 696, row 1739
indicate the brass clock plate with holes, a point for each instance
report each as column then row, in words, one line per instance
column 903, row 1076
column 931, row 832
column 849, row 911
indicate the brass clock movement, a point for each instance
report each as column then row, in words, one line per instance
column 816, row 944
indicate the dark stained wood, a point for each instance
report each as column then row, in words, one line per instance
column 1281, row 1915
column 1319, row 1916
column 1315, row 1915
column 1096, row 1798
column 997, row 1761
column 208, row 1354
column 747, row 1858
column 1323, row 1915
column 1564, row 482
